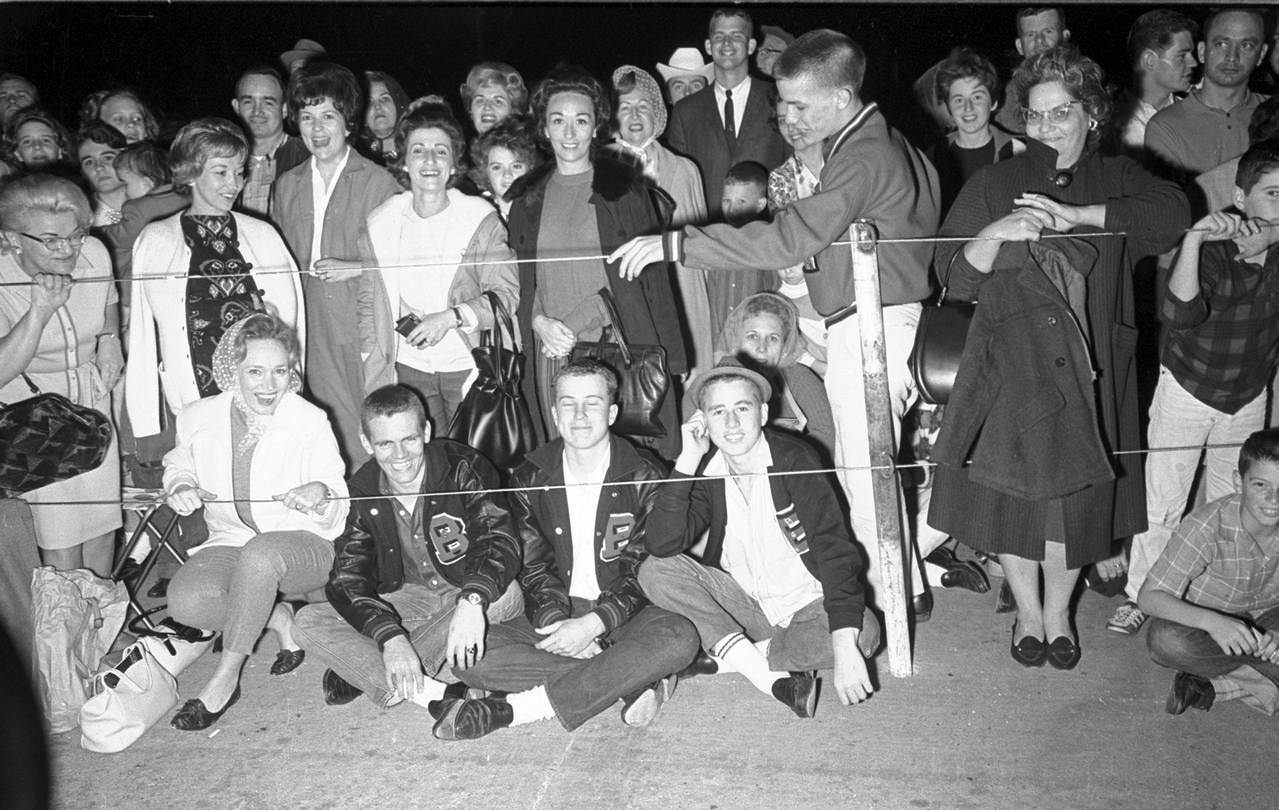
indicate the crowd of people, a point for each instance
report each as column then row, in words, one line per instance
column 283, row 314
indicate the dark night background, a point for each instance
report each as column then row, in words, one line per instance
column 185, row 56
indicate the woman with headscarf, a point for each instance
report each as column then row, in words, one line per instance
column 263, row 465
column 640, row 121
column 762, row 333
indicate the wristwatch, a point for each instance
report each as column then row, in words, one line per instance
column 472, row 597
column 457, row 316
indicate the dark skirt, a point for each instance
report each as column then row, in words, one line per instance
column 999, row 523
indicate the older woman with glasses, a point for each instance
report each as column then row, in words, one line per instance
column 197, row 272
column 59, row 333
column 1047, row 386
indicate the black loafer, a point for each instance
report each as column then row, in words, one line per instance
column 703, row 664
column 337, row 690
column 1189, row 690
column 287, row 660
column 472, row 719
column 1029, row 652
column 453, row 692
column 967, row 575
column 1064, row 653
column 798, row 692
column 194, row 716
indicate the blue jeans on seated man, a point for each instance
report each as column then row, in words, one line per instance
column 425, row 612
column 1192, row 650
column 653, row 644
column 718, row 606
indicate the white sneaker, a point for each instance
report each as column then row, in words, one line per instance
column 1127, row 620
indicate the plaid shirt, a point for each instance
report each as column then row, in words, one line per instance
column 1212, row 562
column 1222, row 343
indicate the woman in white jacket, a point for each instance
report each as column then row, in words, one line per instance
column 461, row 243
column 214, row 267
column 264, row 465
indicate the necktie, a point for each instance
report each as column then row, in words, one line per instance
column 730, row 121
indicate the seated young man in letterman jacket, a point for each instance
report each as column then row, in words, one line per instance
column 401, row 561
column 591, row 637
column 777, row 593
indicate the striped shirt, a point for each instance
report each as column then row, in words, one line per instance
column 1222, row 343
column 1213, row 562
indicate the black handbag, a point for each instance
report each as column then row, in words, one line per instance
column 643, row 377
column 493, row 417
column 939, row 344
column 48, row 438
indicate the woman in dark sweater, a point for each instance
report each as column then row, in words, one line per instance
column 586, row 204
column 1047, row 385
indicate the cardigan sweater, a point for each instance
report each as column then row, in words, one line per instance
column 159, row 311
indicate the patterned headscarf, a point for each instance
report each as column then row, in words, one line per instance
column 225, row 363
column 646, row 84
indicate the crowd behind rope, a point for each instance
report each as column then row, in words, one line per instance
column 279, row 360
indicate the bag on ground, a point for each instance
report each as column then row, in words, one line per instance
column 127, row 700
column 76, row 617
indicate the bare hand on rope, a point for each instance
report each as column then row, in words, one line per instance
column 637, row 254
column 186, row 499
column 335, row 270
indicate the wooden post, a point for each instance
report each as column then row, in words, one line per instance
column 883, row 447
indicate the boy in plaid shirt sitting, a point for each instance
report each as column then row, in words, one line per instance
column 1221, row 313
column 1214, row 592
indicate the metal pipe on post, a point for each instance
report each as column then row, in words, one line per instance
column 883, row 446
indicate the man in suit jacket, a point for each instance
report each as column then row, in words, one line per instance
column 698, row 127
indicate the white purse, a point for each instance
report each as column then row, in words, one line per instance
column 127, row 700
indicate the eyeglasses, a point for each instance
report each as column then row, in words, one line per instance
column 1056, row 115
column 55, row 243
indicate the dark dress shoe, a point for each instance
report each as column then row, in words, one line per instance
column 337, row 691
column 160, row 589
column 130, row 574
column 1005, row 602
column 1189, row 690
column 967, row 575
column 703, row 664
column 922, row 605
column 472, row 719
column 1029, row 652
column 287, row 660
column 799, row 692
column 1063, row 652
column 453, row 692
column 193, row 716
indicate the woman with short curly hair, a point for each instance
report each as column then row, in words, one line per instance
column 34, row 139
column 441, row 304
column 1047, row 385
column 493, row 92
column 501, row 156
column 199, row 271
column 321, row 206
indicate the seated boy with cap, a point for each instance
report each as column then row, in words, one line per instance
column 778, row 592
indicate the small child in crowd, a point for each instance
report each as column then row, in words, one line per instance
column 745, row 199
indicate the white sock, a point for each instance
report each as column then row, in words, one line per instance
column 530, row 706
column 431, row 690
column 744, row 657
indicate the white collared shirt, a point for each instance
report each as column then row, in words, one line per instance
column 583, row 496
column 756, row 553
column 320, row 196
column 740, row 94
